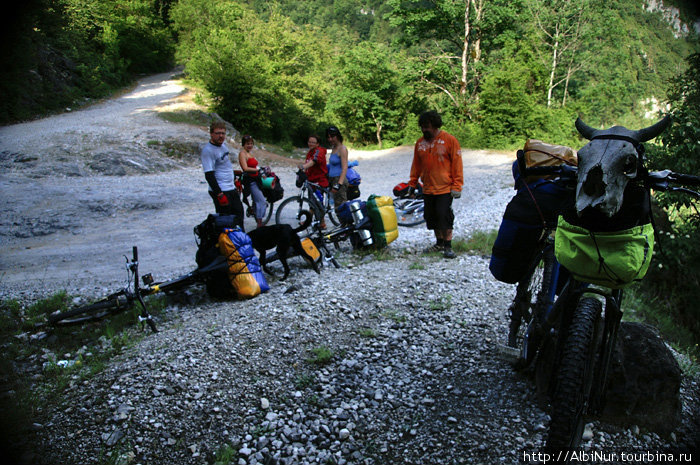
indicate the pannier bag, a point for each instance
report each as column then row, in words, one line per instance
column 611, row 259
column 244, row 269
column 301, row 178
column 401, row 189
column 311, row 249
column 538, row 153
column 272, row 188
column 385, row 228
column 353, row 191
column 346, row 209
column 354, row 179
column 522, row 226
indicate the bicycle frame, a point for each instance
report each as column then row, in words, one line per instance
column 573, row 336
column 308, row 191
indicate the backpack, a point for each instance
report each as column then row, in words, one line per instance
column 401, row 189
column 244, row 270
column 207, row 236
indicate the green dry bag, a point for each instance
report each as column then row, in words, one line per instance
column 611, row 259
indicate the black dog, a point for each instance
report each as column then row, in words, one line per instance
column 285, row 238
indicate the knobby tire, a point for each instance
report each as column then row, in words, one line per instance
column 575, row 376
column 531, row 298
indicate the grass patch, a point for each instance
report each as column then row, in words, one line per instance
column 441, row 304
column 192, row 117
column 639, row 307
column 367, row 332
column 176, row 149
column 416, row 266
column 480, row 243
column 321, row 356
column 40, row 362
column 304, row 380
column 394, row 315
column 225, row 454
column 381, row 255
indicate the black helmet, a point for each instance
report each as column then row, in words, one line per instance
column 332, row 131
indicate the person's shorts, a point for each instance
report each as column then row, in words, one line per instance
column 438, row 211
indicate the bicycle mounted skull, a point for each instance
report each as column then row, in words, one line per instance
column 608, row 162
column 612, row 240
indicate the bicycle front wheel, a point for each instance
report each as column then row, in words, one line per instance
column 291, row 212
column 574, row 377
column 409, row 212
column 93, row 312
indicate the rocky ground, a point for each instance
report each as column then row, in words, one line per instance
column 391, row 359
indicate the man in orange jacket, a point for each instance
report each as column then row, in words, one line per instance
column 437, row 161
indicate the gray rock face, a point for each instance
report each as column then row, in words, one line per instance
column 644, row 381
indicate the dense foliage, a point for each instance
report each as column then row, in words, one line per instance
column 57, row 52
column 676, row 282
column 499, row 70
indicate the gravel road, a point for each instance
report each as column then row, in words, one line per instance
column 415, row 375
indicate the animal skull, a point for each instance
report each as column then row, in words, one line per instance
column 608, row 162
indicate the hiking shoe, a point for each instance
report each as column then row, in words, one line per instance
column 433, row 249
column 449, row 253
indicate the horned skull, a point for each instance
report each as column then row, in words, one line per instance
column 608, row 162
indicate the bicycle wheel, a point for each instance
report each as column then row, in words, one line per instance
column 268, row 213
column 409, row 212
column 108, row 306
column 532, row 293
column 574, row 377
column 290, row 211
column 333, row 216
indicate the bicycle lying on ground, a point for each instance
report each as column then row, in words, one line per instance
column 132, row 293
column 290, row 211
column 569, row 339
column 354, row 228
column 409, row 210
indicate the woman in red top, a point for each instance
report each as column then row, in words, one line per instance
column 315, row 166
column 249, row 166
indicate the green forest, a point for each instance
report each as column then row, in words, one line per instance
column 499, row 71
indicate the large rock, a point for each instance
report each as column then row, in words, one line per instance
column 643, row 382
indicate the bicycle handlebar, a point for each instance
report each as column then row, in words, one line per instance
column 660, row 180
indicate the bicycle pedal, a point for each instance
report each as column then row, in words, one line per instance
column 510, row 354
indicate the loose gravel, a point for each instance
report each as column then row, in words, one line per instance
column 391, row 359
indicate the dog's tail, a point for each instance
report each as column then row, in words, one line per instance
column 308, row 216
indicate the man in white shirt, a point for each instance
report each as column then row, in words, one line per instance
column 218, row 171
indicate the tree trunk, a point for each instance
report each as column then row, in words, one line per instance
column 378, row 125
column 555, row 58
column 465, row 49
